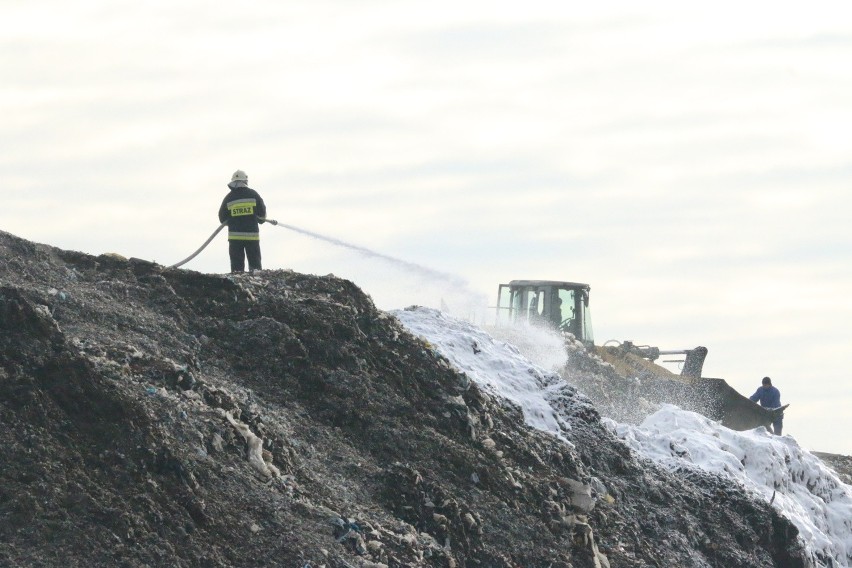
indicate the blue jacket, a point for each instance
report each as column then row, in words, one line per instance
column 768, row 397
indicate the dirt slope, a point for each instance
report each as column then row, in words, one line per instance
column 154, row 417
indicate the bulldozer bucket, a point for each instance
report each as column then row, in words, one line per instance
column 711, row 397
column 734, row 410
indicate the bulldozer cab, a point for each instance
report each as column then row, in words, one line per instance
column 561, row 305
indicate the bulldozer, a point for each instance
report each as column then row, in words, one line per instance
column 629, row 383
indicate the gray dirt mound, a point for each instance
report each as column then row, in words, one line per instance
column 156, row 417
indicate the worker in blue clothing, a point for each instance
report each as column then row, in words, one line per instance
column 769, row 397
column 243, row 209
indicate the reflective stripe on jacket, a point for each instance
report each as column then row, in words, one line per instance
column 241, row 208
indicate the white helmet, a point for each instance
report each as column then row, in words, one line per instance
column 239, row 175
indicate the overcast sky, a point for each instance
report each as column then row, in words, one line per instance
column 691, row 163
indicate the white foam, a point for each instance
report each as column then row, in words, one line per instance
column 772, row 468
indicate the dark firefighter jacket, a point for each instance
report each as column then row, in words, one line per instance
column 241, row 208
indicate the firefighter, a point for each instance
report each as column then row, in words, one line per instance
column 244, row 210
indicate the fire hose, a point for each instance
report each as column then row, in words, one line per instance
column 207, row 242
